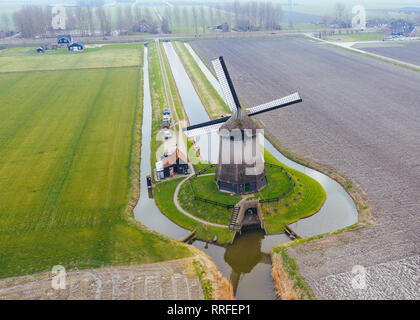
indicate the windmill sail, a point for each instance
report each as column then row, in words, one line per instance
column 205, row 127
column 232, row 101
column 275, row 104
column 226, row 85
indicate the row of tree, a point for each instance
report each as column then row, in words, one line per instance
column 256, row 15
column 33, row 21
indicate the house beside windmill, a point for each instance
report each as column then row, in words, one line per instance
column 64, row 40
column 176, row 163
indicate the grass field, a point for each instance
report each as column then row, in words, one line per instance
column 66, row 140
column 27, row 59
column 361, row 36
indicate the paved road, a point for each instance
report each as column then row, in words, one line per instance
column 360, row 117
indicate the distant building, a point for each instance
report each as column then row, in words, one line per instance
column 145, row 26
column 222, row 27
column 76, row 46
column 401, row 27
column 64, row 40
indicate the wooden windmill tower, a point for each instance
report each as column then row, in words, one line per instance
column 240, row 168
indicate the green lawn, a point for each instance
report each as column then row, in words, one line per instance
column 361, row 36
column 205, row 187
column 66, row 143
column 163, row 194
column 26, row 59
column 305, row 199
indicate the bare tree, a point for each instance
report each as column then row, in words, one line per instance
column 195, row 21
column 211, row 16
column 128, row 13
column 236, row 9
column 5, row 21
column 165, row 26
column 90, row 21
column 186, row 17
column 176, row 15
column 104, row 20
column 120, row 19
column 341, row 14
column 137, row 14
column 203, row 18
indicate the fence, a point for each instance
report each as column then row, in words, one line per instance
column 276, row 199
column 227, row 206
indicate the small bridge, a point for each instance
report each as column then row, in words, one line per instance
column 246, row 215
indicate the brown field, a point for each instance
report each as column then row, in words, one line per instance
column 403, row 51
column 360, row 118
column 165, row 280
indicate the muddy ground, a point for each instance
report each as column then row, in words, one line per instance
column 404, row 51
column 360, row 117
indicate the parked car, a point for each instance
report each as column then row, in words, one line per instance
column 166, row 111
column 167, row 134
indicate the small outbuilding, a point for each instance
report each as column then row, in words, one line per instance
column 76, row 46
column 175, row 163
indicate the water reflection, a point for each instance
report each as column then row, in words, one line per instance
column 244, row 255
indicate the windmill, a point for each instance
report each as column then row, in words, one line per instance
column 240, row 167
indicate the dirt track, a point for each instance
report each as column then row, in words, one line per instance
column 360, row 117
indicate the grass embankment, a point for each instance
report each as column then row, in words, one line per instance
column 27, row 59
column 158, row 97
column 304, row 200
column 212, row 101
column 65, row 155
column 174, row 90
column 205, row 187
column 164, row 193
column 288, row 282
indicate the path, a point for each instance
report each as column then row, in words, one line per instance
column 178, row 206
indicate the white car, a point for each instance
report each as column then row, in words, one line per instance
column 167, row 134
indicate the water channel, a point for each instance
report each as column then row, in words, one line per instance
column 246, row 262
